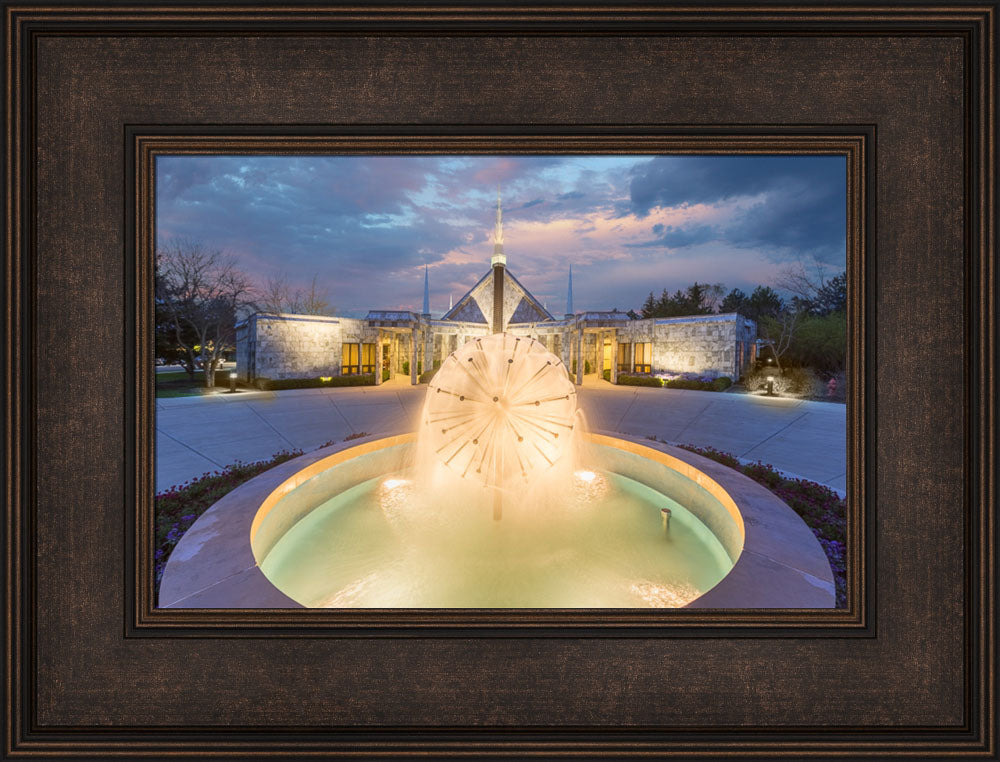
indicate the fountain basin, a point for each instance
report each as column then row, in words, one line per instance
column 775, row 560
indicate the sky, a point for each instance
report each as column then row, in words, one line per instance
column 367, row 226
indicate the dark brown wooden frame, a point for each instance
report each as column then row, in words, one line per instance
column 908, row 670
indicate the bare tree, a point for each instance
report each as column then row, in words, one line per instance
column 200, row 292
column 778, row 331
column 279, row 297
column 714, row 292
column 804, row 282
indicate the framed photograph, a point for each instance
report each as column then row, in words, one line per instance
column 533, row 381
column 502, row 456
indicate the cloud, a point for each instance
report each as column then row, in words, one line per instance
column 798, row 202
column 678, row 237
column 366, row 226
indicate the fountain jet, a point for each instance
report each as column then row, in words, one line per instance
column 501, row 410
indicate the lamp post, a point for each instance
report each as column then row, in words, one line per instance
column 770, row 386
column 232, row 381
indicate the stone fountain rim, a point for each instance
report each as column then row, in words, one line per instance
column 782, row 565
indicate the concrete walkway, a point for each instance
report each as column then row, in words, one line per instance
column 205, row 433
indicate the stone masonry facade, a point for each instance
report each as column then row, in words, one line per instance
column 300, row 346
column 390, row 342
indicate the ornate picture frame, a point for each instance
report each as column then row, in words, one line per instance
column 908, row 94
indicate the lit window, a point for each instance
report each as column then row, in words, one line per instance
column 349, row 364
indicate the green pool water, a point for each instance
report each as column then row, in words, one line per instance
column 379, row 545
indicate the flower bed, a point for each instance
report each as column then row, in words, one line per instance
column 179, row 506
column 824, row 512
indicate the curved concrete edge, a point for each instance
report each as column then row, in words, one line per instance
column 213, row 565
column 782, row 564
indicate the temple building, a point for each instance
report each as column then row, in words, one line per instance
column 272, row 346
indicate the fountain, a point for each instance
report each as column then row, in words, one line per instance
column 500, row 500
column 501, row 411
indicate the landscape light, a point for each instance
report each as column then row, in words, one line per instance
column 232, row 381
column 770, row 386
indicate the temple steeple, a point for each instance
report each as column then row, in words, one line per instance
column 569, row 294
column 499, row 258
column 427, row 294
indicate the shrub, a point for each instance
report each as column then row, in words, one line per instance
column 791, row 382
column 406, row 367
column 385, row 374
column 426, row 377
column 277, row 384
column 689, row 383
column 820, row 342
column 586, row 366
column 796, row 382
column 639, row 381
column 823, row 511
column 607, row 374
column 722, row 383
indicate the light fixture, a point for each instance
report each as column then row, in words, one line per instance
column 770, row 386
column 232, row 381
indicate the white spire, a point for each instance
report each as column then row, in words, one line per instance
column 569, row 294
column 499, row 258
column 427, row 294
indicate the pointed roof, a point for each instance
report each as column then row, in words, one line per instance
column 478, row 301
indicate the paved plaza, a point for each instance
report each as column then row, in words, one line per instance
column 205, row 433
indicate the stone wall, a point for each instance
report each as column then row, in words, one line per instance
column 296, row 346
column 299, row 346
column 243, row 350
column 706, row 345
column 448, row 337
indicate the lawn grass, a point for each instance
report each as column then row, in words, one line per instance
column 177, row 383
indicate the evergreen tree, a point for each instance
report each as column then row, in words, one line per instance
column 831, row 296
column 764, row 302
column 649, row 306
column 735, row 301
